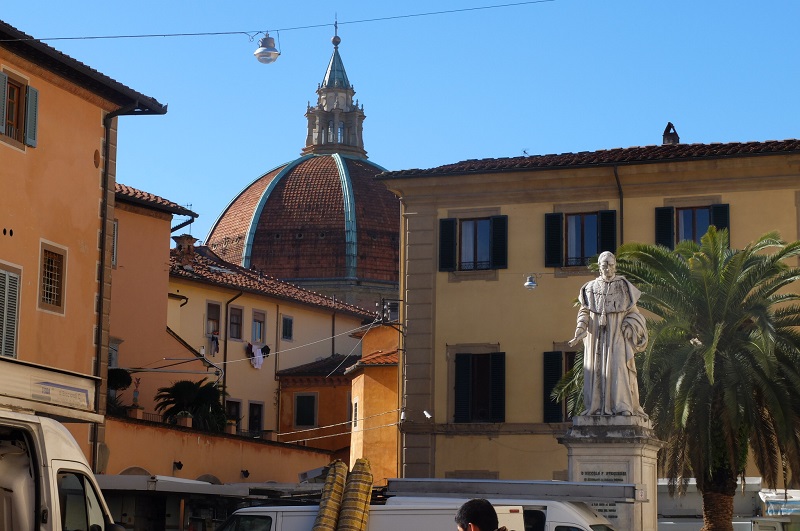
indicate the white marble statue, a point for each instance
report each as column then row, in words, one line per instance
column 613, row 331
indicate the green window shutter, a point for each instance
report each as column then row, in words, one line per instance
column 552, row 371
column 31, row 116
column 9, row 303
column 665, row 227
column 721, row 217
column 499, row 243
column 3, row 100
column 607, row 231
column 447, row 244
column 462, row 387
column 554, row 240
column 498, row 390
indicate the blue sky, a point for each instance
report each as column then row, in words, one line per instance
column 551, row 77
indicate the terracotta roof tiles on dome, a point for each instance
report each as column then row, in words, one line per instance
column 130, row 194
column 320, row 216
column 205, row 266
column 335, row 365
column 631, row 155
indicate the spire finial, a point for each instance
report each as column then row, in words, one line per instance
column 336, row 40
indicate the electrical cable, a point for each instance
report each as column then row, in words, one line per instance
column 252, row 34
column 343, row 433
column 337, row 424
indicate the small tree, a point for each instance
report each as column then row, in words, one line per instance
column 202, row 400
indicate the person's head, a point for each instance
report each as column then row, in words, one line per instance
column 476, row 515
column 608, row 265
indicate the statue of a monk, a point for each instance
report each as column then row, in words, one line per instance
column 613, row 331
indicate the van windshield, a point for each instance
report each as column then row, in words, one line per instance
column 250, row 522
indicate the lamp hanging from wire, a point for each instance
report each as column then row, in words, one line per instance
column 266, row 52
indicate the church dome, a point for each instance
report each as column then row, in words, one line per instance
column 321, row 221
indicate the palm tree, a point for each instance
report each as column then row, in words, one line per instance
column 720, row 377
column 202, row 400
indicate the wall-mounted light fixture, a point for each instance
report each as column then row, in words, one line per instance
column 177, row 465
column 245, row 473
column 530, row 280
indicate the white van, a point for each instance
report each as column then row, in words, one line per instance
column 45, row 482
column 401, row 514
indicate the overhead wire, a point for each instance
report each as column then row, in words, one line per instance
column 317, row 428
column 252, row 34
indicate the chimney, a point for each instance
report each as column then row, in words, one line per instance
column 184, row 244
column 671, row 135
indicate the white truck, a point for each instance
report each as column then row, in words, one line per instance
column 432, row 504
column 433, row 515
column 45, row 482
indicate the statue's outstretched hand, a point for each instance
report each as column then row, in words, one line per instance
column 580, row 333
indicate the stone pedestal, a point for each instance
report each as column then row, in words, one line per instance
column 617, row 450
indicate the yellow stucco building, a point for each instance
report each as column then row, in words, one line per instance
column 481, row 353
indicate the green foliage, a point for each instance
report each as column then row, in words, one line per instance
column 202, row 400
column 119, row 379
column 720, row 374
column 115, row 407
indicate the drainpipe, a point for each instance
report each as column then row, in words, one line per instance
column 99, row 354
column 277, row 357
column 621, row 208
column 225, row 348
column 333, row 328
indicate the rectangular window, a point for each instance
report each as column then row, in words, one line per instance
column 473, row 244
column 212, row 318
column 9, row 310
column 572, row 239
column 480, row 387
column 52, row 278
column 305, row 410
column 287, row 331
column 255, row 419
column 259, row 330
column 355, row 414
column 235, row 325
column 233, row 411
column 556, row 364
column 693, row 222
column 678, row 223
column 581, row 238
column 19, row 110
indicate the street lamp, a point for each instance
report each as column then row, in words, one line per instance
column 266, row 52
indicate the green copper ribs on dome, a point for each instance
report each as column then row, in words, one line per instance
column 350, row 233
column 251, row 232
column 335, row 76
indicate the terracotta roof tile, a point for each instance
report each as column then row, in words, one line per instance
column 631, row 155
column 79, row 73
column 376, row 359
column 132, row 195
column 205, row 266
column 335, row 365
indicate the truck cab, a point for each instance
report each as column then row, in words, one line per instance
column 45, row 482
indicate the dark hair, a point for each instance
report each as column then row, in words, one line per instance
column 478, row 512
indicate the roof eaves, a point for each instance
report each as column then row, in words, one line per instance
column 79, row 73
